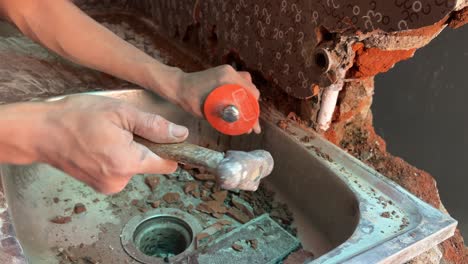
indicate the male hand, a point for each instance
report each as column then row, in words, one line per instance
column 91, row 138
column 194, row 87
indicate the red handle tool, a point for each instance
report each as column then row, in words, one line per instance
column 231, row 109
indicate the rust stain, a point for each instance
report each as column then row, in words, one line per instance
column 372, row 61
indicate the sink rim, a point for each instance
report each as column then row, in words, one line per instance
column 431, row 228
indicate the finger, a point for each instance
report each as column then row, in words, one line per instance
column 246, row 81
column 149, row 162
column 111, row 188
column 257, row 129
column 248, row 77
column 252, row 88
column 245, row 75
column 156, row 128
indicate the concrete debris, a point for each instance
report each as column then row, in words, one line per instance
column 283, row 124
column 237, row 247
column 224, row 222
column 198, row 239
column 189, row 187
column 155, row 204
column 190, row 208
column 171, row 198
column 243, row 206
column 213, row 229
column 184, row 176
column 205, row 177
column 211, row 207
column 79, row 208
column 61, row 220
column 253, row 243
column 238, row 215
column 208, row 184
column 219, row 196
column 152, row 182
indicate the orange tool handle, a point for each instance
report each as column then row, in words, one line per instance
column 231, row 109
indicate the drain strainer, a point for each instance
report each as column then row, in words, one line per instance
column 160, row 236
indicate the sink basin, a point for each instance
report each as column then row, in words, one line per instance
column 343, row 210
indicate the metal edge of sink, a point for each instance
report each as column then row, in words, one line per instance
column 373, row 240
column 376, row 239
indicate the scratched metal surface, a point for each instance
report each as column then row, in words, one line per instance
column 278, row 37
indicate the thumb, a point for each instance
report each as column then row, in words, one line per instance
column 155, row 128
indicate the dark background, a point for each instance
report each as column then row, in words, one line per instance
column 421, row 109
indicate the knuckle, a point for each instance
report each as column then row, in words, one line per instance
column 118, row 169
column 256, row 93
column 122, row 171
column 227, row 68
column 226, row 72
column 103, row 188
column 246, row 74
column 119, row 186
column 153, row 121
column 119, row 108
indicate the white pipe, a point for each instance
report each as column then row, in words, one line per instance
column 328, row 104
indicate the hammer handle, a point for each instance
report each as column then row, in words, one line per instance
column 185, row 153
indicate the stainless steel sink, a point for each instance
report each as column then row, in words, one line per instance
column 344, row 211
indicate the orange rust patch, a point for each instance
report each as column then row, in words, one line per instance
column 371, row 61
column 331, row 136
column 315, row 90
column 454, row 249
column 348, row 116
column 357, row 46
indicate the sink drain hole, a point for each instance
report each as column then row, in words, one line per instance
column 163, row 236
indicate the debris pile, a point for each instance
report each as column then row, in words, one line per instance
column 222, row 210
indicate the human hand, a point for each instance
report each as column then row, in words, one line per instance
column 91, row 138
column 194, row 87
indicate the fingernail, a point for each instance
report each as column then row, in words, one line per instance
column 178, row 131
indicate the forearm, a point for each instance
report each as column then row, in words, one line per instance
column 63, row 28
column 22, row 127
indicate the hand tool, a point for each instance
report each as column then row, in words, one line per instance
column 231, row 109
column 233, row 170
